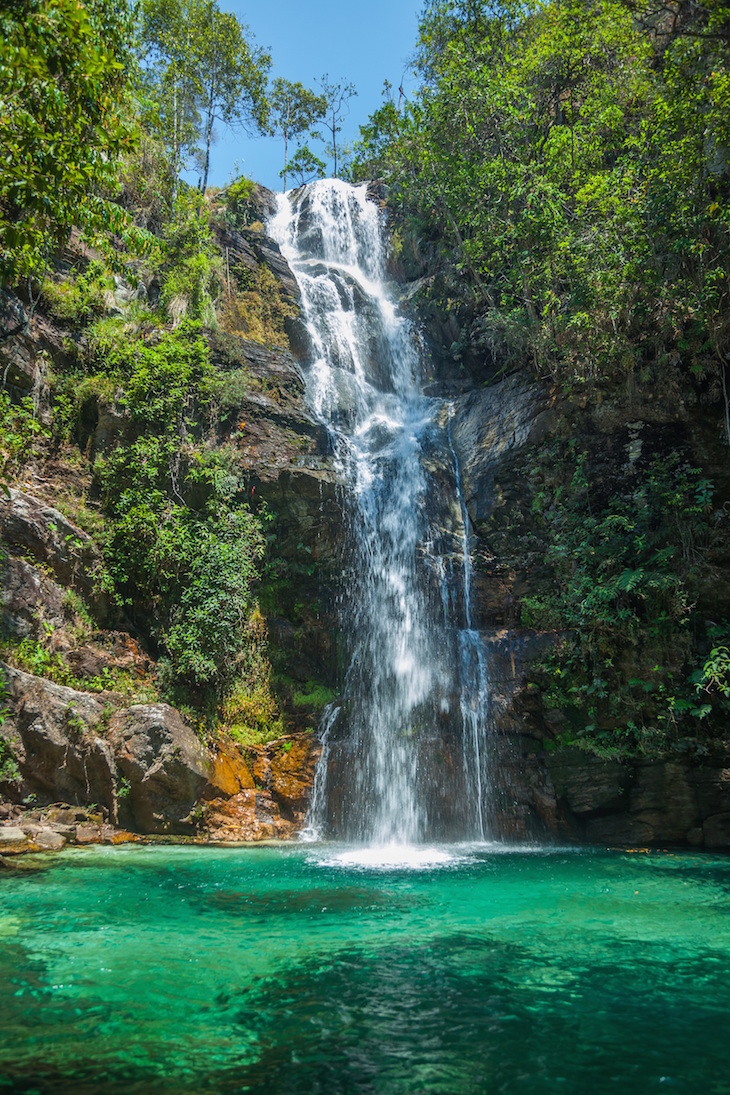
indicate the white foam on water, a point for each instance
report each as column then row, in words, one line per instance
column 406, row 857
column 422, row 857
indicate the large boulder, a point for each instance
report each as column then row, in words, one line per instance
column 81, row 766
column 165, row 767
column 55, row 738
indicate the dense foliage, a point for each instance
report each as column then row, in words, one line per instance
column 636, row 668
column 562, row 176
column 91, row 113
column 64, row 121
column 571, row 162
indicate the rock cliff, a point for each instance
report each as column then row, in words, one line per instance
column 546, row 785
column 87, row 750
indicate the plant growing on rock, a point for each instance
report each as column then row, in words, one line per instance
column 249, row 710
column 623, row 573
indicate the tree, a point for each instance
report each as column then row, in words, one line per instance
column 204, row 69
column 337, row 97
column 295, row 109
column 376, row 137
column 64, row 120
column 305, row 166
column 232, row 74
column 171, row 79
column 571, row 161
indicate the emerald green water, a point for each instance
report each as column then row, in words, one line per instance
column 296, row 970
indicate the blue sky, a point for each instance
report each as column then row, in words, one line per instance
column 365, row 43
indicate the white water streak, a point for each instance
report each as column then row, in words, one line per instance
column 364, row 382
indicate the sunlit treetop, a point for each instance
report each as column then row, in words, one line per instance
column 65, row 69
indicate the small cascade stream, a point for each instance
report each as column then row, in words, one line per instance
column 404, row 758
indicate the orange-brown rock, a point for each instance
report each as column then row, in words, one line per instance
column 247, row 816
column 274, row 806
column 230, row 773
column 292, row 771
column 118, row 836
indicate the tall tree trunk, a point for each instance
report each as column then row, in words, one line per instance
column 286, row 156
column 208, row 138
column 176, row 141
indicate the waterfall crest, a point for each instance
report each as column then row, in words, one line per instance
column 405, row 757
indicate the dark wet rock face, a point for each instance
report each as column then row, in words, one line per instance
column 644, row 802
column 543, row 789
column 28, row 594
column 248, row 249
column 489, row 426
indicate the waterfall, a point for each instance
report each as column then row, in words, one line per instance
column 404, row 760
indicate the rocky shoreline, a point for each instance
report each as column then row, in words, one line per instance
column 60, row 827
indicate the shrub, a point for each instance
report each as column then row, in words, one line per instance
column 19, row 431
column 209, row 622
column 241, row 201
column 78, row 299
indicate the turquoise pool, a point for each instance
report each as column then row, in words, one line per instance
column 311, row 968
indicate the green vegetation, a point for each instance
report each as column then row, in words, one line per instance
column 562, row 173
column 20, row 432
column 64, row 121
column 190, row 561
column 201, row 67
column 9, row 770
column 314, row 694
column 255, row 309
column 250, row 711
column 569, row 163
column 101, row 109
column 80, row 298
column 32, row 655
column 637, row 668
column 305, row 166
column 295, row 111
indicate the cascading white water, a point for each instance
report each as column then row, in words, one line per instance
column 412, row 683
